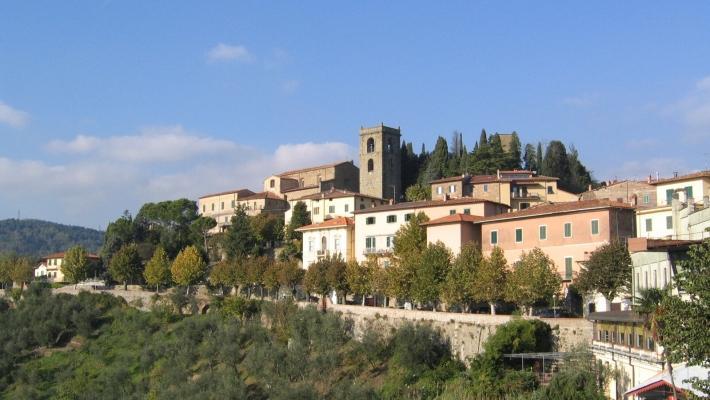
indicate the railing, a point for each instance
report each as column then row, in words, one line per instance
column 371, row 251
column 515, row 195
column 632, row 352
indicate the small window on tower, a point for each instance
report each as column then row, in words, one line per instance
column 370, row 165
column 389, row 145
column 370, row 145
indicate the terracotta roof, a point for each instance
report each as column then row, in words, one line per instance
column 330, row 223
column 557, row 208
column 336, row 194
column 263, row 195
column 639, row 244
column 425, row 204
column 296, row 171
column 454, row 218
column 61, row 255
column 451, row 179
column 238, row 192
column 696, row 175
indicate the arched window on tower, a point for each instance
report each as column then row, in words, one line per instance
column 370, row 165
column 389, row 145
column 370, row 145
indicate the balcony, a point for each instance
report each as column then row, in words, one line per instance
column 524, row 195
column 626, row 351
column 322, row 253
column 377, row 252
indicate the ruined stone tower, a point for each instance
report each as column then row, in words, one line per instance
column 380, row 162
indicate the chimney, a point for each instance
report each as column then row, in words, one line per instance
column 589, row 188
column 675, row 174
column 691, row 205
column 649, row 178
column 658, row 176
column 498, row 173
column 391, row 201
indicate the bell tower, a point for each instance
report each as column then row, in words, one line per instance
column 380, row 162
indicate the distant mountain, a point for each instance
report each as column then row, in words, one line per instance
column 35, row 238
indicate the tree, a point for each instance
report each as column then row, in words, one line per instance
column 299, row 217
column 167, row 223
column 157, row 270
column 75, row 265
column 188, row 267
column 201, row 228
column 437, row 164
column 239, row 240
column 410, row 239
column 336, row 275
column 683, row 323
column 530, row 158
column 255, row 269
column 556, row 163
column 458, row 286
column 607, row 271
column 514, row 154
column 580, row 178
column 533, row 280
column 418, row 192
column 315, row 279
column 491, row 277
column 539, row 158
column 360, row 277
column 118, row 234
column 431, row 271
column 125, row 266
column 267, row 229
column 21, row 271
column 290, row 274
column 222, row 274
column 6, row 262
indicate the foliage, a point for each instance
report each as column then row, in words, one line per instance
column 118, row 234
column 491, row 277
column 75, row 265
column 335, row 274
column 299, row 217
column 580, row 378
column 316, row 277
column 290, row 274
column 360, row 277
column 125, row 265
column 35, row 238
column 607, row 271
column 534, row 279
column 167, row 223
column 410, row 240
column 201, row 227
column 21, row 271
column 239, row 240
column 223, row 274
column 418, row 192
column 431, row 271
column 157, row 270
column 188, row 267
column 683, row 324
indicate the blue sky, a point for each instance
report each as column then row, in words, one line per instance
column 107, row 105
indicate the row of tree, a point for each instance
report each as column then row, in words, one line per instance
column 488, row 156
column 428, row 274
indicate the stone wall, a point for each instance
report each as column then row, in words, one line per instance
column 466, row 332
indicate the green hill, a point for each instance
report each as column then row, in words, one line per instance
column 31, row 237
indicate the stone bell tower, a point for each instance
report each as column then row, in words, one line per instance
column 380, row 162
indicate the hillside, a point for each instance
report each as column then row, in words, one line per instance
column 35, row 238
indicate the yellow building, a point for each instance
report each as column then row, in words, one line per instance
column 220, row 206
column 50, row 266
column 334, row 203
column 307, row 181
column 517, row 189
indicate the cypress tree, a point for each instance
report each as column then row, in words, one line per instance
column 514, row 152
column 530, row 158
column 556, row 163
column 538, row 158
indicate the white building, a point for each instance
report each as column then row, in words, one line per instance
column 333, row 237
column 376, row 227
column 50, row 266
column 333, row 203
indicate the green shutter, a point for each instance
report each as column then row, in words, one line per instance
column 669, row 196
column 518, row 235
column 568, row 268
column 688, row 191
column 595, row 227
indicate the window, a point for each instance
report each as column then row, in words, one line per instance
column 226, row 219
column 389, row 145
column 622, row 339
column 310, row 244
column 485, row 188
column 568, row 229
column 391, row 219
column 390, row 242
column 347, row 207
column 669, row 222
column 272, row 183
column 452, row 189
column 543, row 232
column 595, row 227
column 370, row 165
column 203, row 208
column 568, row 268
column 649, row 224
column 439, row 190
column 550, row 190
column 646, row 199
column 331, row 209
column 362, row 206
column 370, row 243
column 336, row 243
column 212, row 206
column 409, row 216
column 669, row 196
column 524, row 205
column 665, row 278
column 316, row 210
column 518, row 235
column 233, row 204
column 651, row 346
column 369, row 220
column 452, row 212
column 370, row 145
column 639, row 341
column 645, row 279
column 638, row 281
column 222, row 206
column 494, row 237
column 655, row 278
column 467, row 211
column 688, row 192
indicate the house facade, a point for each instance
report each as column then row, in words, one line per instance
column 519, row 189
column 333, row 203
column 334, row 237
column 221, row 206
column 376, row 227
column 302, row 182
column 50, row 266
column 641, row 194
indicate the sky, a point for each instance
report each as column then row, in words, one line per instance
column 106, row 105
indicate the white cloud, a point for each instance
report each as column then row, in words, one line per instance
column 703, row 84
column 227, row 52
column 641, row 169
column 151, row 144
column 693, row 111
column 12, row 116
column 98, row 177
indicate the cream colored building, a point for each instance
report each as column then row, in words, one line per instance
column 221, row 206
column 334, row 237
column 694, row 186
column 50, row 266
column 333, row 203
column 518, row 189
column 302, row 182
column 377, row 227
